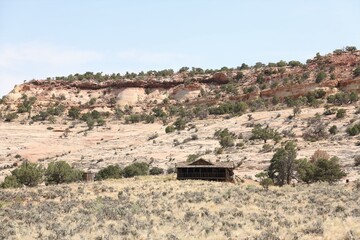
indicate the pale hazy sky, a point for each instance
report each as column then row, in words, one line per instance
column 41, row 38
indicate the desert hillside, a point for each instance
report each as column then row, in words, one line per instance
column 301, row 118
column 164, row 117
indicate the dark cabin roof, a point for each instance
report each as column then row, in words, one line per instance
column 201, row 163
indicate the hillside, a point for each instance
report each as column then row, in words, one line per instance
column 93, row 120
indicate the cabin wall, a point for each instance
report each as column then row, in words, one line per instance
column 216, row 174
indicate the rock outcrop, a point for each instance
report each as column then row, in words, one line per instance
column 145, row 91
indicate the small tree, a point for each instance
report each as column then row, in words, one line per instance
column 321, row 168
column 265, row 133
column 61, row 172
column 29, row 174
column 136, row 169
column 328, row 170
column 264, row 179
column 111, row 171
column 26, row 105
column 282, row 164
column 305, row 170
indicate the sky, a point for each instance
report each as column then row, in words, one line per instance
column 48, row 38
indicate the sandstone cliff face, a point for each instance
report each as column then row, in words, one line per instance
column 299, row 90
column 142, row 92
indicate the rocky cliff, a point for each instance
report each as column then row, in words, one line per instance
column 266, row 82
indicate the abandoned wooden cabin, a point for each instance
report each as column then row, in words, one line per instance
column 205, row 170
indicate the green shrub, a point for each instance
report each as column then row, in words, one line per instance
column 343, row 98
column 180, row 124
column 340, row 113
column 239, row 76
column 11, row 182
column 353, row 130
column 333, row 130
column 90, row 122
column 281, row 63
column 223, row 133
column 92, row 101
column 111, row 171
column 338, row 51
column 10, row 117
column 320, row 76
column 29, row 174
column 118, row 113
column 26, row 104
column 260, row 78
column 57, row 110
column 149, row 118
column 248, row 90
column 170, row 129
column 229, row 108
column 156, row 171
column 243, row 66
column 136, row 169
column 227, row 141
column 61, row 172
column 350, row 48
column 294, row 63
column 74, row 112
column 133, row 118
column 264, row 180
column 330, row 111
column 312, row 97
column 41, row 116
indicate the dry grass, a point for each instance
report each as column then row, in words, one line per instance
column 163, row 208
